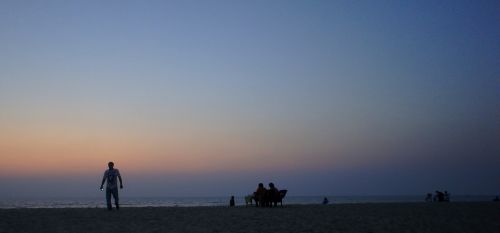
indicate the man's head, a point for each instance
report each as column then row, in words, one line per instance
column 111, row 165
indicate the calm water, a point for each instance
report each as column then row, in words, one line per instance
column 99, row 202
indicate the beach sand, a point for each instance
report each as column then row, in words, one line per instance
column 364, row 218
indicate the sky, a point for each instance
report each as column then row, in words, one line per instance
column 209, row 98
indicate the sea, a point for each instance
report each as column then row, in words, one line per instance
column 99, row 202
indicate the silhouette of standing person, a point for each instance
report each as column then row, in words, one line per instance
column 446, row 196
column 231, row 201
column 110, row 177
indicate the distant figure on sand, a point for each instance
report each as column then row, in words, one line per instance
column 496, row 198
column 231, row 202
column 446, row 196
column 110, row 177
column 439, row 197
column 325, row 201
column 428, row 198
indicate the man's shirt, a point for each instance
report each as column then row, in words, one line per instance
column 111, row 176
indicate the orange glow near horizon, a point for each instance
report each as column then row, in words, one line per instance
column 54, row 143
column 51, row 150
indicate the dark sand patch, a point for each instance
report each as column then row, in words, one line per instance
column 364, row 218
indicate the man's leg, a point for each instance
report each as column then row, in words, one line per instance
column 108, row 198
column 115, row 196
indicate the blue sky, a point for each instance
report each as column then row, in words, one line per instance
column 367, row 96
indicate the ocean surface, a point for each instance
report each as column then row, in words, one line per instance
column 99, row 202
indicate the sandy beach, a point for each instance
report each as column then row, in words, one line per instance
column 374, row 218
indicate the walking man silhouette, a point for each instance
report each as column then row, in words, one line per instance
column 110, row 176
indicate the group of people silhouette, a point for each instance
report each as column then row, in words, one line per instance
column 264, row 197
column 438, row 197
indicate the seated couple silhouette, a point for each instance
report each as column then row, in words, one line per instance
column 268, row 197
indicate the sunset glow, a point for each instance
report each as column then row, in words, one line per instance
column 338, row 96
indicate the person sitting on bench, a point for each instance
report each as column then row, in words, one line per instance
column 273, row 195
column 260, row 195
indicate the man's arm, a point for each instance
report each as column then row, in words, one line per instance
column 103, row 180
column 121, row 183
column 120, row 178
